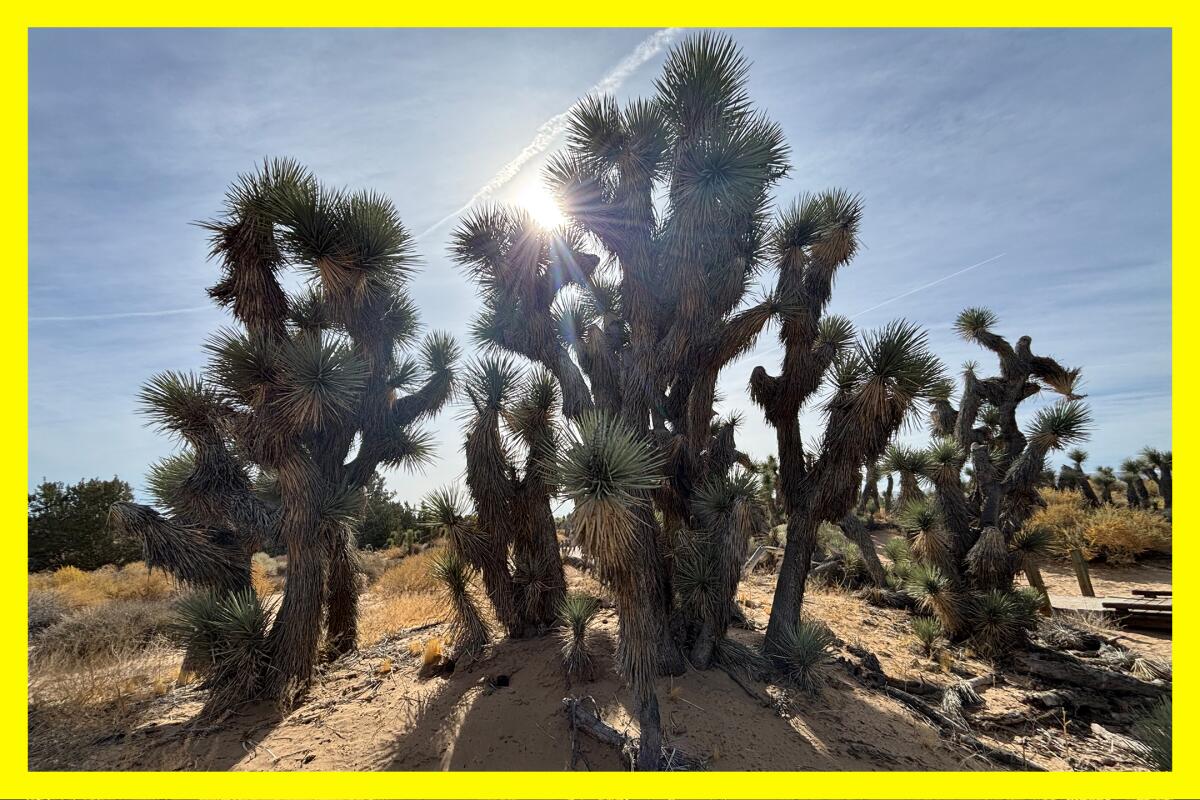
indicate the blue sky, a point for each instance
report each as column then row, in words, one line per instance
column 1047, row 152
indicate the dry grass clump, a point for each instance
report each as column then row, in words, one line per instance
column 1063, row 517
column 79, row 589
column 392, row 614
column 103, row 633
column 262, row 584
column 412, row 575
column 1120, row 535
column 46, row 607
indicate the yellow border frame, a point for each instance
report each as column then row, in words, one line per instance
column 16, row 779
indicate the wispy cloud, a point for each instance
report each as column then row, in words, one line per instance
column 552, row 128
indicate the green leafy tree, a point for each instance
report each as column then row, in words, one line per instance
column 68, row 525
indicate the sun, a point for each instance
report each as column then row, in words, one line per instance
column 542, row 206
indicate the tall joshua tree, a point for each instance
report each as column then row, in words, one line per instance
column 876, row 383
column 297, row 408
column 636, row 347
column 513, row 503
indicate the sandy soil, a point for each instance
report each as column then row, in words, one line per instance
column 371, row 711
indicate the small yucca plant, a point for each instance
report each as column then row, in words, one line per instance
column 997, row 621
column 228, row 634
column 935, row 594
column 898, row 550
column 471, row 633
column 804, row 654
column 1154, row 730
column 927, row 630
column 575, row 613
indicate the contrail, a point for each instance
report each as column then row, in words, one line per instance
column 928, row 285
column 552, row 128
column 122, row 315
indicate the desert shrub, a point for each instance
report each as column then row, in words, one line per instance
column 454, row 574
column 805, row 654
column 1120, row 535
column 46, row 607
column 229, row 631
column 1062, row 517
column 79, row 589
column 104, row 632
column 262, row 585
column 412, row 574
column 935, row 594
column 575, row 613
column 372, row 564
column 998, row 620
column 1154, row 730
column 270, row 566
column 136, row 581
column 927, row 630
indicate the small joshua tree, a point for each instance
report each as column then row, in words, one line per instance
column 297, row 408
column 1158, row 469
column 1080, row 479
column 470, row 630
column 575, row 613
column 1106, row 479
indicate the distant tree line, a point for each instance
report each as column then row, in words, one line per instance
column 68, row 524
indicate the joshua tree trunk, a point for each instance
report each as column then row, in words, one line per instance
column 292, row 642
column 887, row 494
column 857, row 532
column 342, row 598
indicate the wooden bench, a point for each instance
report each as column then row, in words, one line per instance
column 1141, row 612
column 1152, row 593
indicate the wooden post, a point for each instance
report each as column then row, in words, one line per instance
column 1034, row 575
column 1081, row 573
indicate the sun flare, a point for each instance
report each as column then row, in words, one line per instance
column 542, row 206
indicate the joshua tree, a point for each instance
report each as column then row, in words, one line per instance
column 768, row 478
column 1158, row 469
column 1078, row 456
column 911, row 464
column 514, row 505
column 1106, row 479
column 1136, row 493
column 297, row 407
column 870, row 490
column 1006, row 463
column 876, row 384
column 642, row 341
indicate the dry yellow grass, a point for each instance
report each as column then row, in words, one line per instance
column 394, row 613
column 1117, row 533
column 81, row 589
column 1120, row 535
column 412, row 574
column 263, row 586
